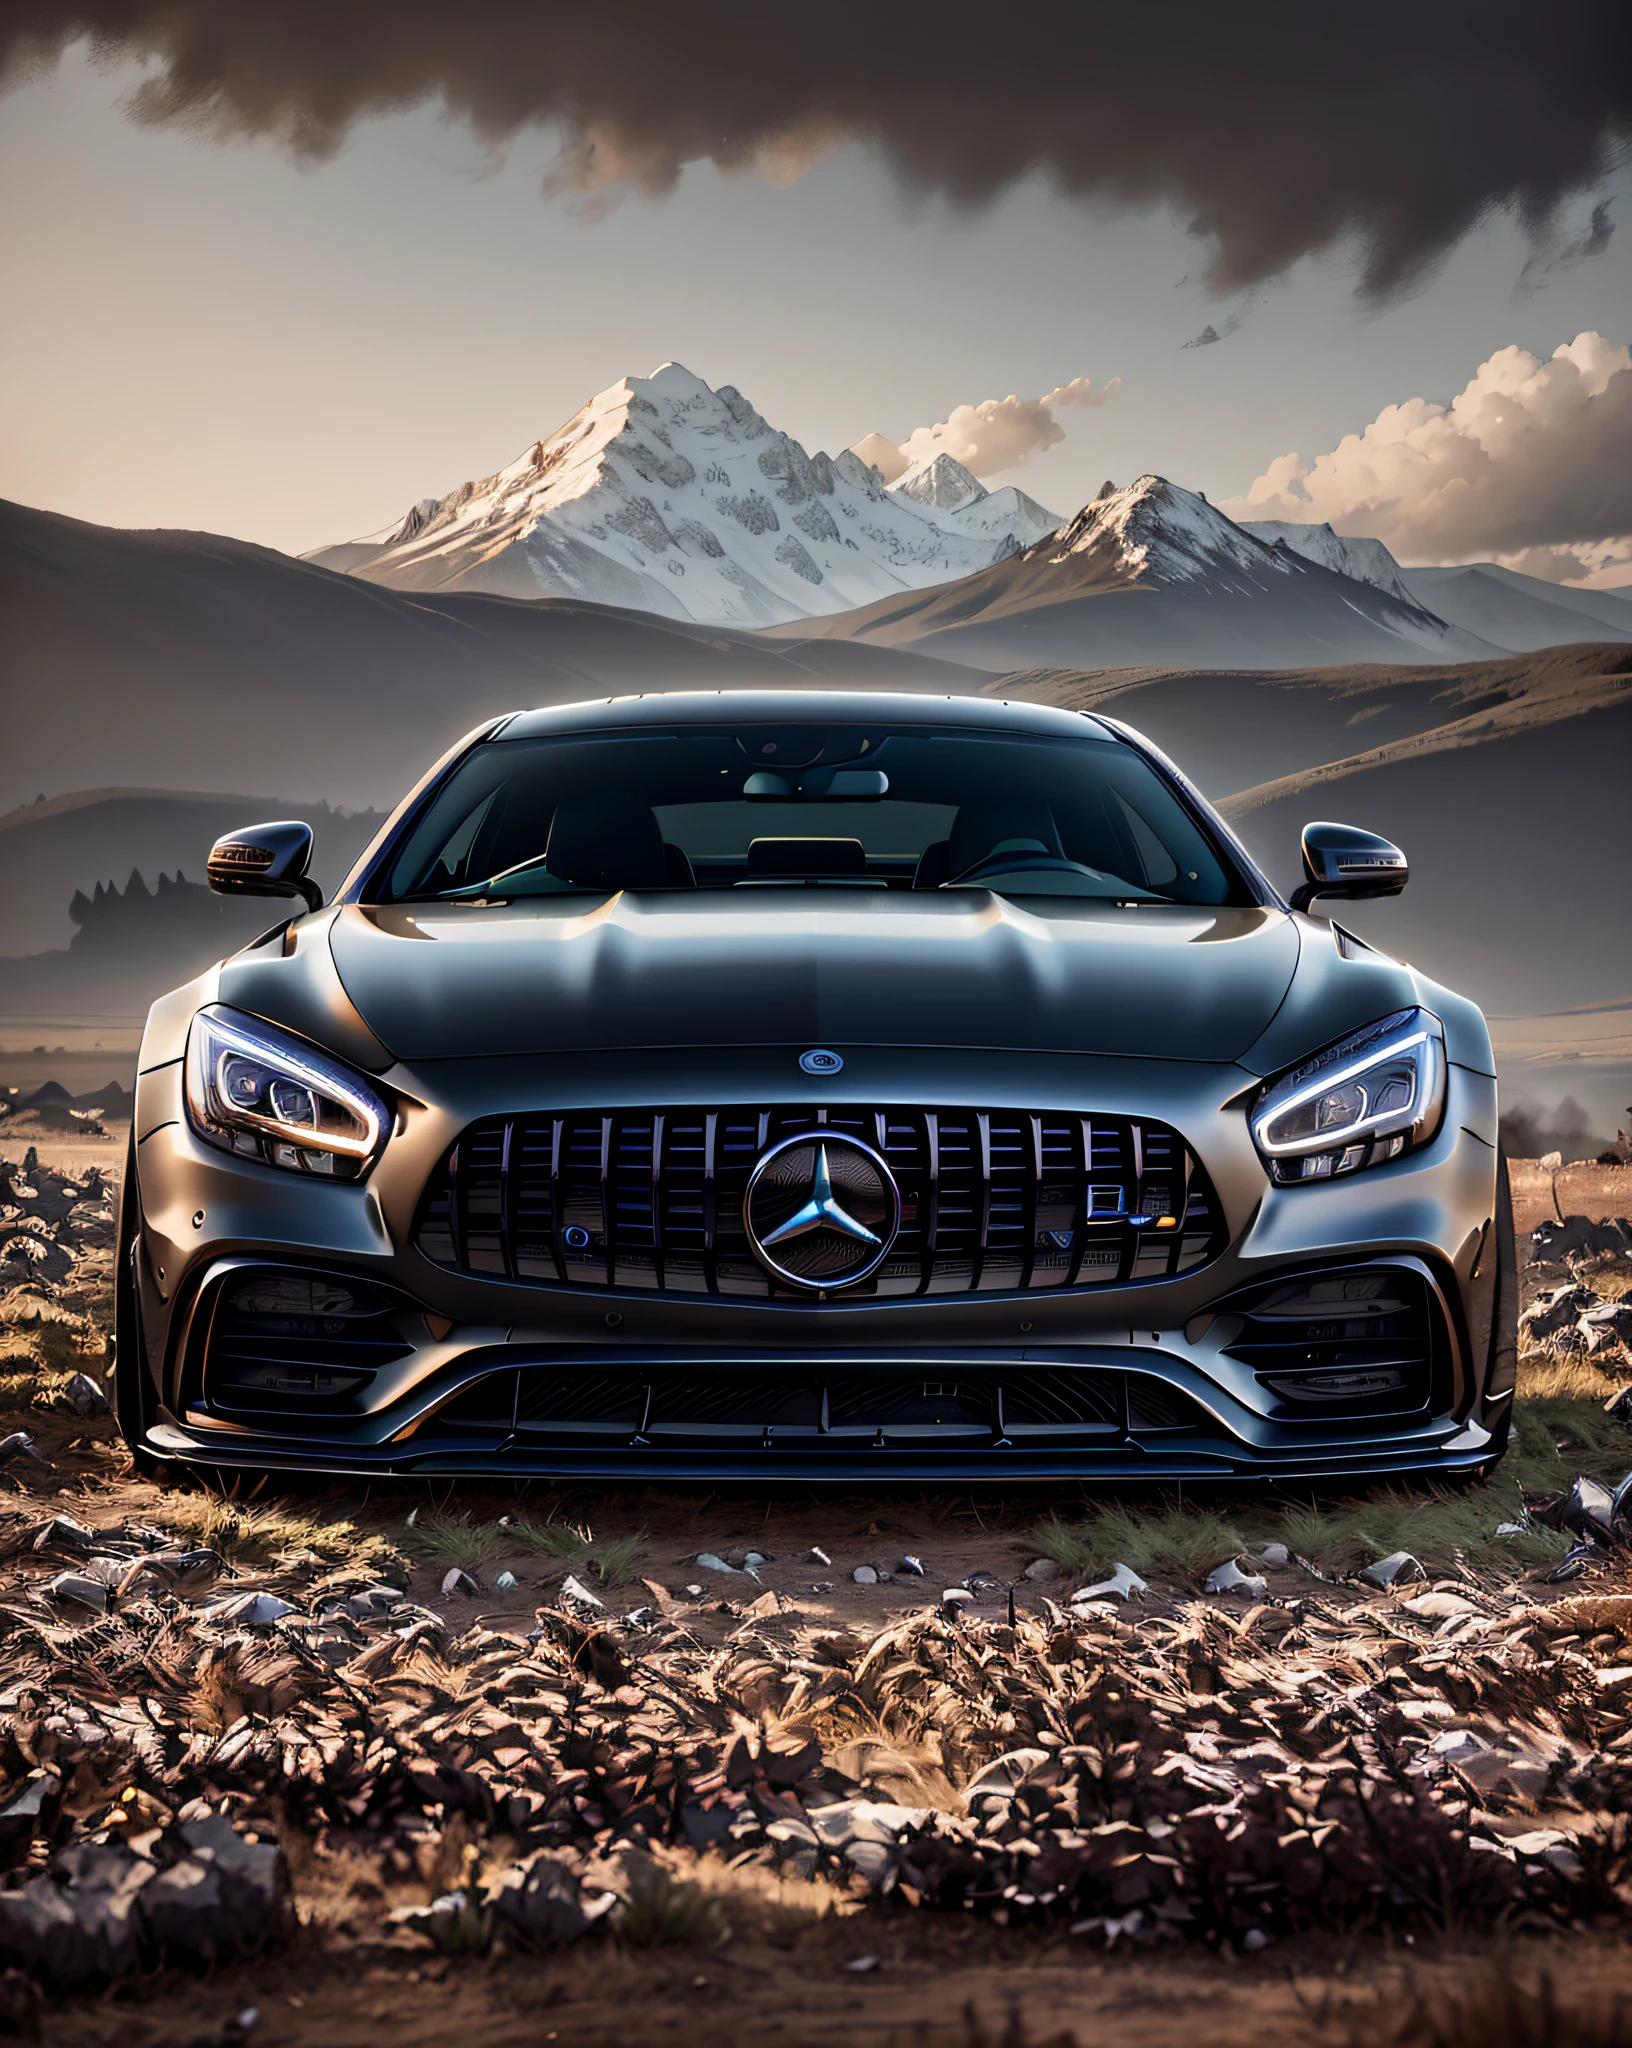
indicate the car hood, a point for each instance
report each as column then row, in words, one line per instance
column 806, row 967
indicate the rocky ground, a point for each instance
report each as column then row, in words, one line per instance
column 598, row 1766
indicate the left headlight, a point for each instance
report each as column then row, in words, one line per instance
column 264, row 1094
column 1369, row 1097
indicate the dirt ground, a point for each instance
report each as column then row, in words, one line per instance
column 955, row 1986
column 825, row 1961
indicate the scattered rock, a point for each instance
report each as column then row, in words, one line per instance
column 1399, row 1568
column 912, row 1566
column 542, row 1900
column 1042, row 1571
column 100, row 1911
column 1228, row 1577
column 864, row 1575
column 247, row 1610
column 17, row 1448
column 81, row 1396
column 1275, row 1554
column 78, row 1589
column 1587, row 1510
column 458, row 1581
column 1123, row 1584
column 505, row 1583
column 458, row 1923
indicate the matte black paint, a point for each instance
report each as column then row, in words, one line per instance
column 960, row 998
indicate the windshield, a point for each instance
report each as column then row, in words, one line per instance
column 816, row 808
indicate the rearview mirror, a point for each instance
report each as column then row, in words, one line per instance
column 1341, row 860
column 265, row 860
column 817, row 785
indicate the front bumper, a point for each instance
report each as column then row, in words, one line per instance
column 1125, row 1384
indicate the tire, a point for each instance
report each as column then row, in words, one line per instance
column 133, row 1403
column 1501, row 1366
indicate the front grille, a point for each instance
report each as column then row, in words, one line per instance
column 762, row 1406
column 991, row 1200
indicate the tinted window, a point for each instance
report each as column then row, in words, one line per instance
column 808, row 808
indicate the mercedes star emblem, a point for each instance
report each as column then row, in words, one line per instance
column 822, row 1210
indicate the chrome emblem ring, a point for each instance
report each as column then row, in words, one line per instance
column 821, row 1210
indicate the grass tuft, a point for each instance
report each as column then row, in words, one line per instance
column 658, row 1907
column 1184, row 1541
column 452, row 1542
column 267, row 1533
column 446, row 1540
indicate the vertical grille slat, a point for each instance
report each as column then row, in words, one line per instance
column 993, row 1201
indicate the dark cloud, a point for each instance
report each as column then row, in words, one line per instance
column 1586, row 248
column 1272, row 128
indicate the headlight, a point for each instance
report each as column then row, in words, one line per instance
column 1368, row 1098
column 264, row 1094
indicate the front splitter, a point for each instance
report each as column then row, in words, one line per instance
column 996, row 1465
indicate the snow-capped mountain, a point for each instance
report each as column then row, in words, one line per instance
column 1150, row 573
column 666, row 496
column 1154, row 533
column 1367, row 561
column 954, row 496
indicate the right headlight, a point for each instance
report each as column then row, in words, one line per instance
column 1369, row 1097
column 265, row 1094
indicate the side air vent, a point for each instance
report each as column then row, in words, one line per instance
column 284, row 1343
column 1363, row 1341
column 991, row 1200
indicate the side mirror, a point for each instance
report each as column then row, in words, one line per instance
column 265, row 860
column 1341, row 860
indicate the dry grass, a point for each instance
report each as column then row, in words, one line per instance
column 1560, row 1430
column 1494, row 2010
column 658, row 1907
column 271, row 1533
column 1183, row 1542
column 448, row 1540
column 758, row 1901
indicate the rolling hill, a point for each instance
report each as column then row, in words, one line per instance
column 179, row 660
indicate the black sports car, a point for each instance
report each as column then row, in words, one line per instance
column 814, row 1086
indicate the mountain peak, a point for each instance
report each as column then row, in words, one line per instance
column 942, row 481
column 1367, row 561
column 880, row 453
column 1157, row 533
column 665, row 495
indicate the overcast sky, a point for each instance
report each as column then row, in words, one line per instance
column 211, row 330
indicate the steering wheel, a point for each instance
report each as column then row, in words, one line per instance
column 1021, row 864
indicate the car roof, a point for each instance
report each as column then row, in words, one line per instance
column 802, row 707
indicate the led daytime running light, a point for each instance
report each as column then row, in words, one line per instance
column 291, row 1104
column 1328, row 1083
column 1365, row 1099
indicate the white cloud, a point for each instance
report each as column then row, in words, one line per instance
column 1530, row 459
column 1002, row 433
